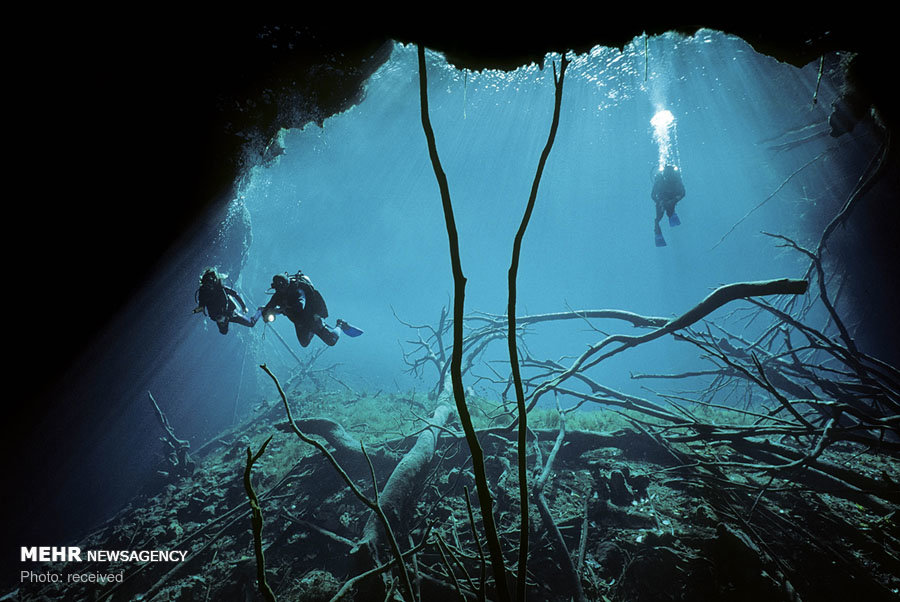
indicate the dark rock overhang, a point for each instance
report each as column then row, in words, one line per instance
column 256, row 80
column 328, row 65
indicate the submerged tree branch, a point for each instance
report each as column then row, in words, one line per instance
column 636, row 320
column 459, row 295
column 257, row 522
column 372, row 505
column 870, row 175
column 565, row 557
column 774, row 193
column 512, row 340
column 719, row 297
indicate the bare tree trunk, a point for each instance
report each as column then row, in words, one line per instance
column 402, row 486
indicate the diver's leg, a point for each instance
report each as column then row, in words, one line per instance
column 657, row 232
column 325, row 332
column 239, row 319
column 658, row 238
column 244, row 320
column 304, row 334
column 673, row 217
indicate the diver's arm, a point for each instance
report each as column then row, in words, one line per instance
column 656, row 190
column 272, row 304
column 201, row 305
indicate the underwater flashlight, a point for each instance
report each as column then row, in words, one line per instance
column 270, row 317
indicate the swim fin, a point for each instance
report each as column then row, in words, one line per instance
column 673, row 219
column 660, row 241
column 347, row 329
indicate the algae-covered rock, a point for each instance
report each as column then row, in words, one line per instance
column 175, row 529
column 317, row 586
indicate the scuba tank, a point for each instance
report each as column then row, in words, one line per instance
column 313, row 298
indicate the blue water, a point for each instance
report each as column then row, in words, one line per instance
column 355, row 205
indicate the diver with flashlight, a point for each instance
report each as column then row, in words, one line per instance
column 220, row 303
column 668, row 189
column 297, row 298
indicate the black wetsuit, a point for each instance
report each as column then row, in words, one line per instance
column 220, row 303
column 306, row 311
column 668, row 189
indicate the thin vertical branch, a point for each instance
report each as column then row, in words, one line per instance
column 459, row 295
column 257, row 523
column 481, row 585
column 511, row 334
column 819, row 79
column 441, row 546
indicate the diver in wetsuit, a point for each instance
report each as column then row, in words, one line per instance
column 220, row 303
column 296, row 298
column 668, row 189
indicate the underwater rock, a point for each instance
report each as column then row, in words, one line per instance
column 740, row 566
column 611, row 559
column 639, row 484
column 241, row 585
column 175, row 529
column 602, row 489
column 619, row 492
column 237, row 448
column 738, row 557
column 665, row 538
column 704, row 516
column 234, row 493
column 496, row 467
column 655, row 573
column 158, row 533
column 620, row 487
column 852, row 106
column 317, row 586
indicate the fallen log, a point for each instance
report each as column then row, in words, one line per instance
column 347, row 448
column 405, row 481
column 373, row 505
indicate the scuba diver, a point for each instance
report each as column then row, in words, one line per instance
column 668, row 189
column 296, row 297
column 220, row 303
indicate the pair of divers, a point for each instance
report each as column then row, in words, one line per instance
column 668, row 189
column 294, row 296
